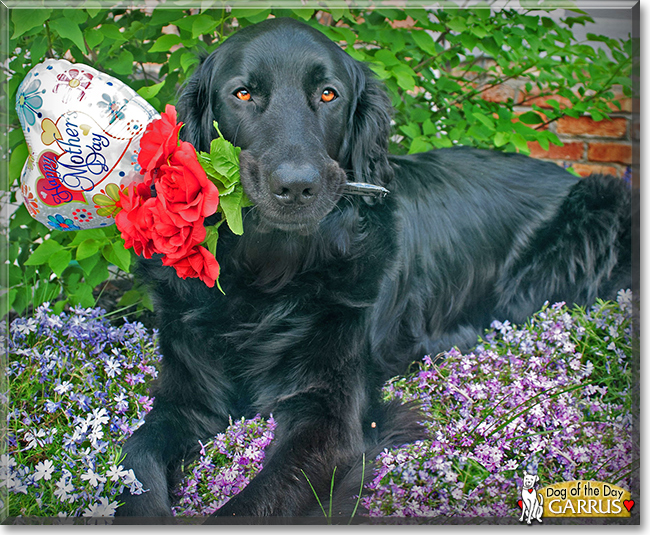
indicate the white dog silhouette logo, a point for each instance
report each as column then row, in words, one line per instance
column 531, row 503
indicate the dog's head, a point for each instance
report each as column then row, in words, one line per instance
column 306, row 115
column 529, row 480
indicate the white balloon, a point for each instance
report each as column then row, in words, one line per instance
column 83, row 131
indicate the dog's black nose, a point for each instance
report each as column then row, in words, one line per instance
column 292, row 184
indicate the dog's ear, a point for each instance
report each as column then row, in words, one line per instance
column 364, row 151
column 195, row 105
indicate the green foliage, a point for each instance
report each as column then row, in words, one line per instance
column 221, row 165
column 436, row 73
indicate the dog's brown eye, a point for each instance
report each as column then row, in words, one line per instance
column 243, row 94
column 328, row 95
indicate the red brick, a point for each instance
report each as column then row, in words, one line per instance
column 625, row 102
column 407, row 23
column 498, row 93
column 570, row 151
column 610, row 152
column 585, row 169
column 542, row 101
column 615, row 127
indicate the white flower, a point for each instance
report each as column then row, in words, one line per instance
column 132, row 482
column 44, row 470
column 29, row 326
column 624, row 298
column 103, row 508
column 99, row 417
column 93, row 478
column 64, row 387
column 64, row 488
column 117, row 472
column 112, row 368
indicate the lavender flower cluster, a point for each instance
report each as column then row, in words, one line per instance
column 532, row 397
column 554, row 394
column 224, row 467
column 76, row 392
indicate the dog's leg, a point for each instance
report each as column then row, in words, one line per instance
column 189, row 405
column 317, row 430
column 539, row 508
column 155, row 451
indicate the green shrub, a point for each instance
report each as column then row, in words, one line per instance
column 435, row 73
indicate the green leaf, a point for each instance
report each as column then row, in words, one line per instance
column 94, row 37
column 386, row 57
column 26, row 19
column 69, row 30
column 404, row 77
column 501, row 138
column 252, row 15
column 87, row 264
column 203, row 24
column 123, row 64
column 83, row 296
column 42, row 253
column 543, row 142
column 424, row 41
column 231, row 206
column 129, row 298
column 59, row 261
column 7, row 300
column 165, row 42
column 520, row 143
column 122, row 256
column 112, row 32
column 17, row 162
column 596, row 115
column 212, row 237
column 188, row 60
column 87, row 248
column 150, row 91
column 530, row 117
column 98, row 274
column 420, row 144
column 487, row 121
column 457, row 24
column 304, row 14
column 86, row 234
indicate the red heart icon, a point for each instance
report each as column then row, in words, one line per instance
column 628, row 504
column 520, row 504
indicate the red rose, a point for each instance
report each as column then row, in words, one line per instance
column 171, row 235
column 183, row 187
column 159, row 140
column 132, row 200
column 198, row 263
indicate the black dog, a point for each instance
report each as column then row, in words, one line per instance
column 328, row 295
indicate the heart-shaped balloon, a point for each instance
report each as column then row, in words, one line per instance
column 83, row 131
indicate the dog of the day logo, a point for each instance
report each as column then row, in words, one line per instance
column 586, row 499
column 572, row 499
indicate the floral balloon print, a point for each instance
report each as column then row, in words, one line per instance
column 28, row 102
column 82, row 128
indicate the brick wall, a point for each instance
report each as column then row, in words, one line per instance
column 589, row 146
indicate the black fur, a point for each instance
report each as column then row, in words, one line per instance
column 327, row 296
